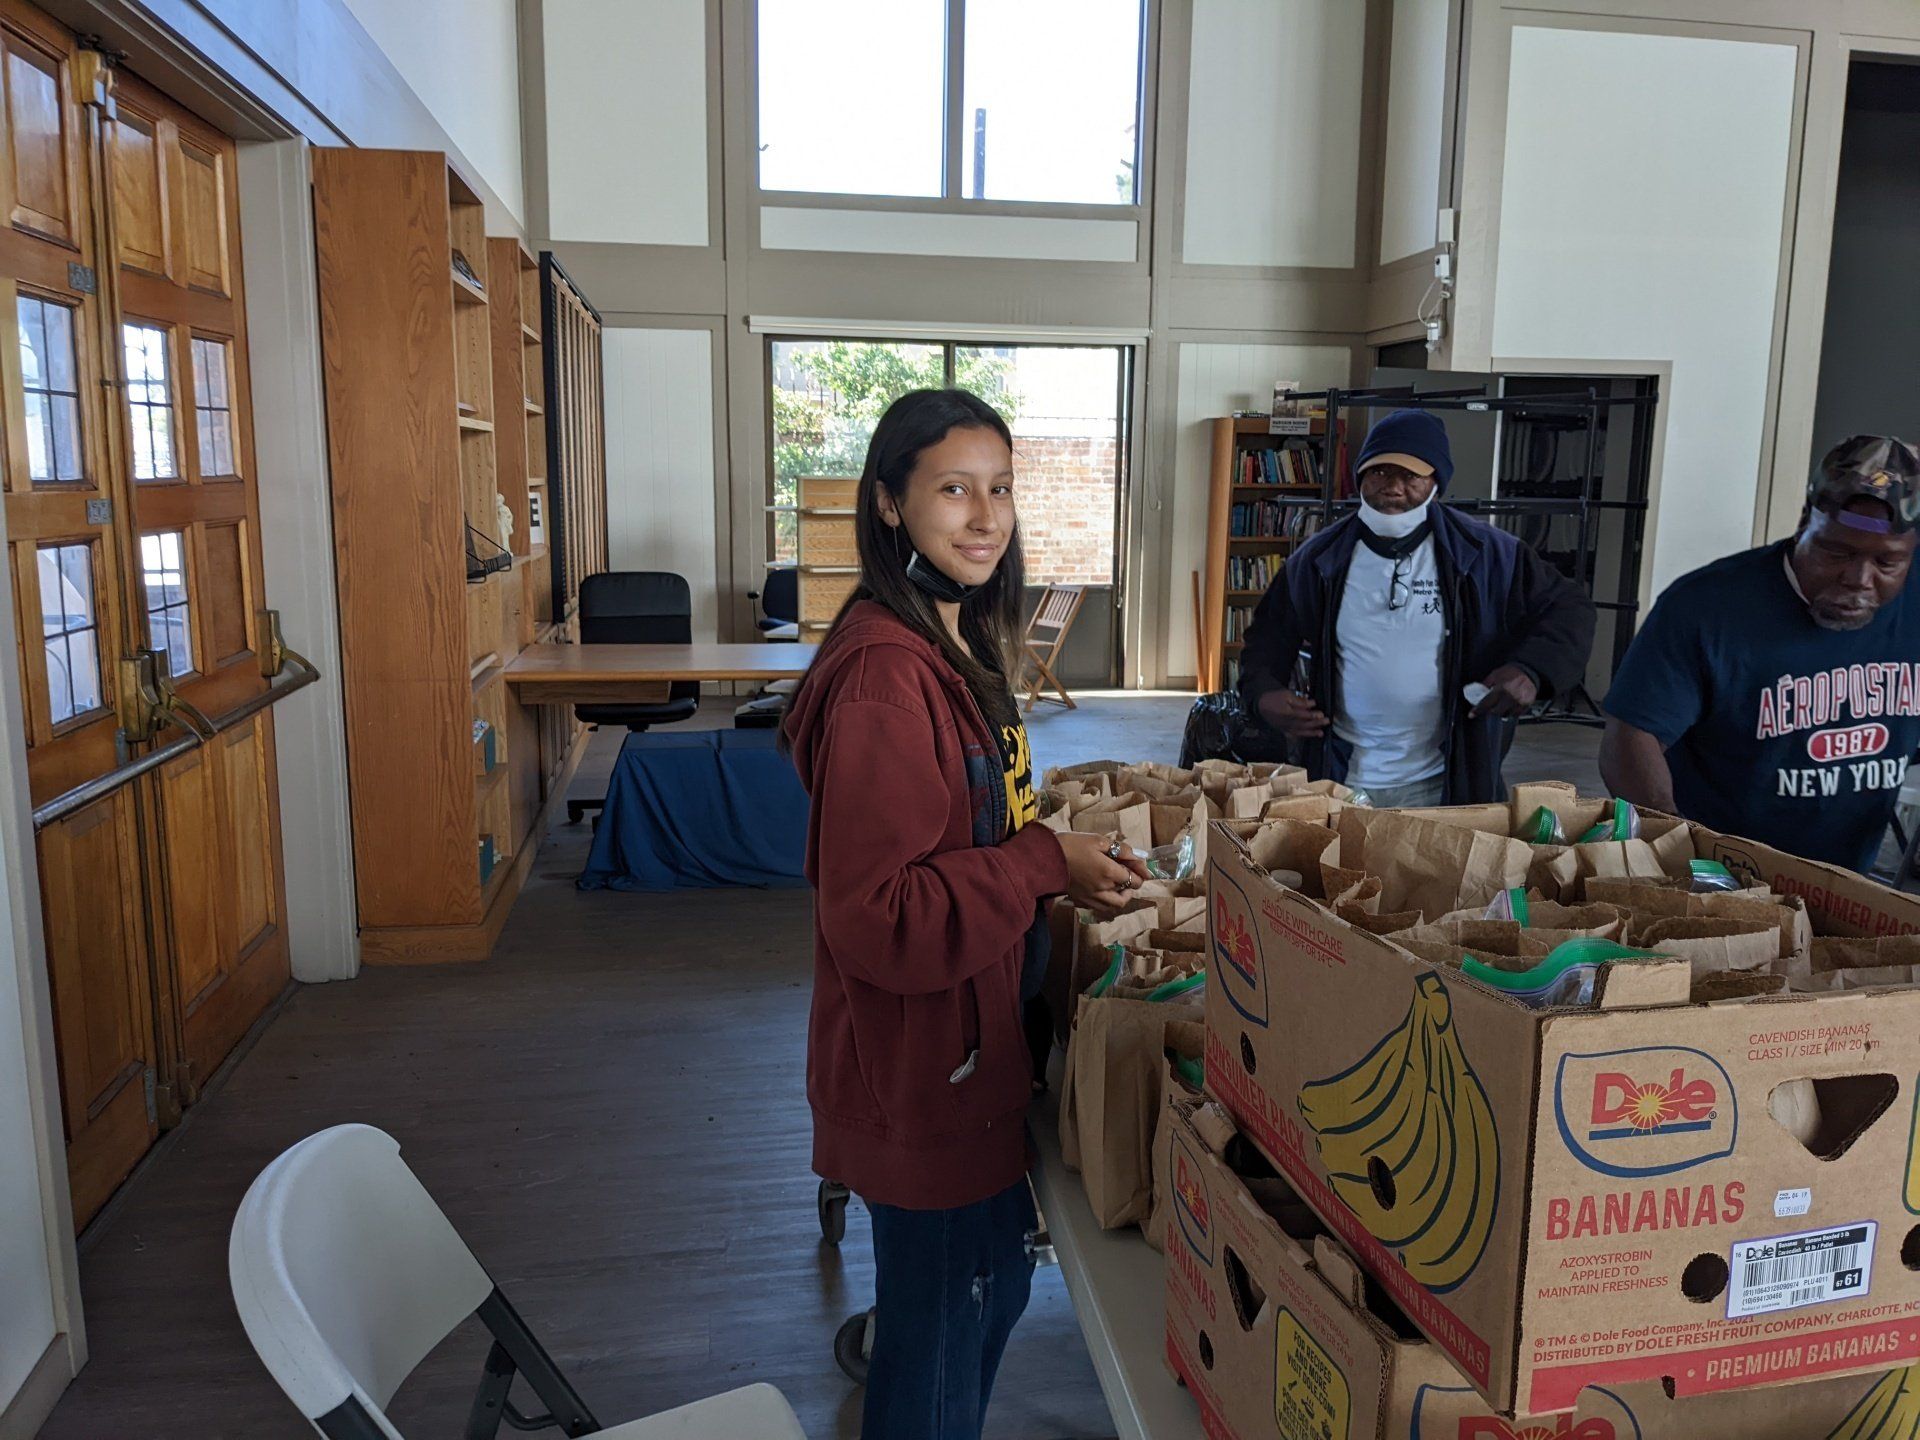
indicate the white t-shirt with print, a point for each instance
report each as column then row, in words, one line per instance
column 1390, row 662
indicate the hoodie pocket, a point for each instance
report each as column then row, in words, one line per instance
column 998, row 1076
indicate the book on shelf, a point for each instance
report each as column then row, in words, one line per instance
column 1273, row 520
column 1282, row 465
column 1252, row 573
column 1239, row 621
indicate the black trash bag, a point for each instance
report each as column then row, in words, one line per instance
column 1219, row 728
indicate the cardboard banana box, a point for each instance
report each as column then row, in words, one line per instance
column 1279, row 1337
column 1598, row 1196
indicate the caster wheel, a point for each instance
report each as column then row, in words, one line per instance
column 853, row 1346
column 831, row 1202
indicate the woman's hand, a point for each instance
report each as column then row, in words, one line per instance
column 1097, row 881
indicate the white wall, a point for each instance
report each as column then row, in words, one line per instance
column 1641, row 217
column 462, row 58
column 901, row 232
column 626, row 121
column 1273, row 132
column 1416, row 101
column 1216, row 380
column 31, row 1172
column 660, row 510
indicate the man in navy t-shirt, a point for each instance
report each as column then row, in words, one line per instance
column 1775, row 694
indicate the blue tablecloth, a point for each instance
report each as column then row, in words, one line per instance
column 695, row 809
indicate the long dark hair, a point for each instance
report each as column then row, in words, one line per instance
column 990, row 617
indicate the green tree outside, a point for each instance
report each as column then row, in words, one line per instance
column 824, row 429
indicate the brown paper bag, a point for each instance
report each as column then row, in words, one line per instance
column 1095, row 773
column 1128, row 816
column 1341, row 887
column 1376, row 924
column 1711, row 945
column 1857, row 964
column 1117, row 1063
column 1297, row 846
column 1554, row 873
column 1315, row 809
column 1432, row 866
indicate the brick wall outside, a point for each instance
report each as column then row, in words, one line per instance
column 1065, row 487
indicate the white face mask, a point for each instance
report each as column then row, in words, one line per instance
column 1393, row 527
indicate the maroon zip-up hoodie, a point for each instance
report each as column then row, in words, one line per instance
column 917, row 1065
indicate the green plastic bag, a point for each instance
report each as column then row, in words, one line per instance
column 1711, row 875
column 1543, row 829
column 1566, row 977
column 1623, row 823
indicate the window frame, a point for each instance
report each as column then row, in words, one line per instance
column 185, row 605
column 951, row 201
column 1126, row 421
column 103, row 705
column 85, row 480
column 183, row 471
column 224, row 344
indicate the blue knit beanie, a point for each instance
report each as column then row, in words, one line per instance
column 1410, row 434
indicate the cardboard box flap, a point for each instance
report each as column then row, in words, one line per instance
column 1338, row 1269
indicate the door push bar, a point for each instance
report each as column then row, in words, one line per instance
column 147, row 702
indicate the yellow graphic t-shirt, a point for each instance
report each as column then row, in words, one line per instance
column 1023, row 804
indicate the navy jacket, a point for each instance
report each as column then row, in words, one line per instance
column 1504, row 606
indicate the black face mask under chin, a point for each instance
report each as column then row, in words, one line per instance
column 934, row 581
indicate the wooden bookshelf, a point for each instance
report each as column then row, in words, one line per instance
column 829, row 554
column 421, row 450
column 1250, row 466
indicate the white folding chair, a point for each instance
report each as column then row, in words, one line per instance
column 346, row 1274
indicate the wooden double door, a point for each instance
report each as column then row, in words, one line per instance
column 132, row 524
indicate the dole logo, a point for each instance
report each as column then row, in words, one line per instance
column 1645, row 1112
column 1561, row 1427
column 1447, row 1412
column 1191, row 1203
column 1236, row 948
column 1847, row 742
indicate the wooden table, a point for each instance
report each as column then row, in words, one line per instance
column 642, row 674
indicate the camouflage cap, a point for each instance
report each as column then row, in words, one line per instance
column 1869, row 467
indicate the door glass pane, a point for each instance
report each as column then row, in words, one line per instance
column 852, row 96
column 1051, row 101
column 827, row 397
column 48, row 367
column 150, row 403
column 163, row 567
column 1063, row 406
column 211, row 408
column 70, row 630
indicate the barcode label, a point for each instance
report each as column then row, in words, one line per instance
column 1791, row 1271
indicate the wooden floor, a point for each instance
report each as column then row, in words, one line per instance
column 613, row 1112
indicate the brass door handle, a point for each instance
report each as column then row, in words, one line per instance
column 147, row 699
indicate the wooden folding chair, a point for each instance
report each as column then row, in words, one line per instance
column 1047, row 631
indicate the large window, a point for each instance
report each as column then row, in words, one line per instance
column 1063, row 404
column 853, row 99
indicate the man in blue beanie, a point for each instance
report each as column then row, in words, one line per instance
column 1403, row 608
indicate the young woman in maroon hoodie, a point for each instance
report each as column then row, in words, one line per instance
column 928, row 933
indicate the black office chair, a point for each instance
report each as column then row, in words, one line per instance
column 779, row 603
column 636, row 607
